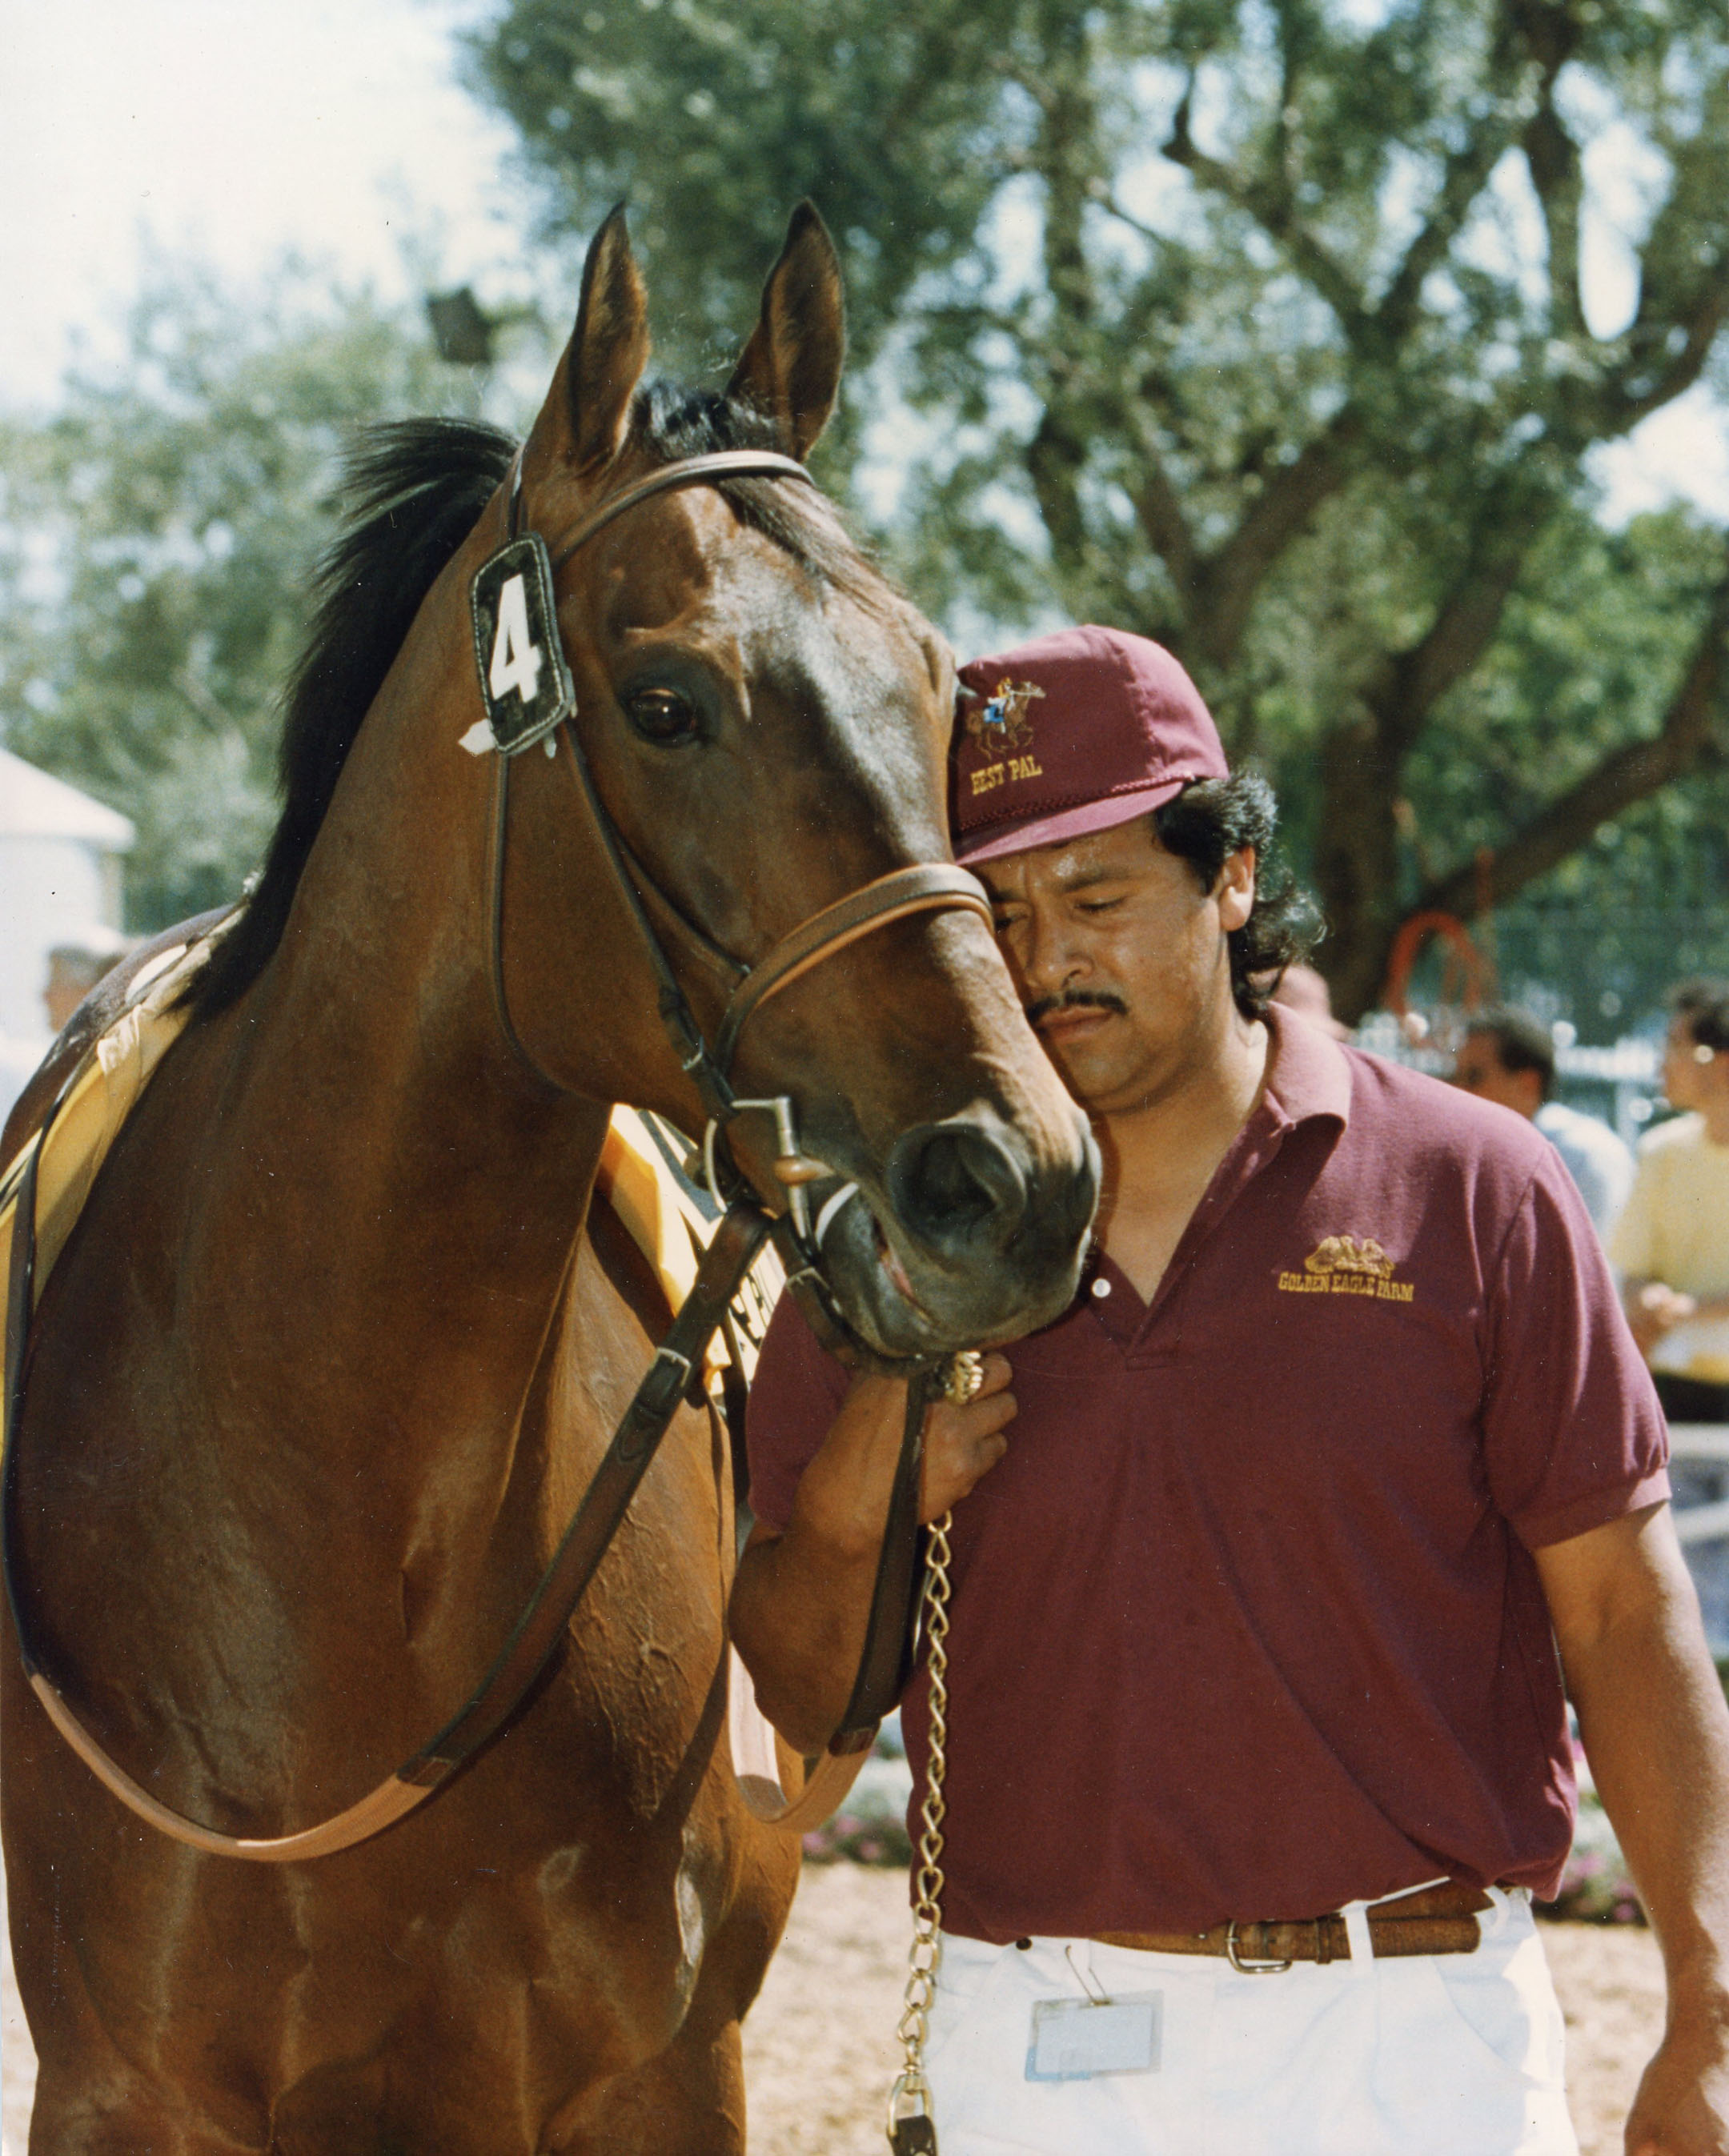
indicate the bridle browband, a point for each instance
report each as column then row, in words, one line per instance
column 738, row 1240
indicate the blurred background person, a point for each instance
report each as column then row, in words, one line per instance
column 74, row 966
column 1509, row 1056
column 1671, row 1244
column 1302, row 990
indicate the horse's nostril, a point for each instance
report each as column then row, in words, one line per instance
column 956, row 1186
column 947, row 1186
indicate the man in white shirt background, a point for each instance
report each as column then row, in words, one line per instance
column 1671, row 1244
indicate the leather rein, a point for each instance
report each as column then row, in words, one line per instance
column 675, row 1372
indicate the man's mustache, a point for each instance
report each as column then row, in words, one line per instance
column 1076, row 999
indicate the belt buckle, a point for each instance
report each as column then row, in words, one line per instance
column 1252, row 1967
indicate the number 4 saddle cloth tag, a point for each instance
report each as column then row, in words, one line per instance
column 1073, row 2039
column 525, row 680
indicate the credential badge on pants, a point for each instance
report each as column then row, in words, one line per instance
column 1073, row 2039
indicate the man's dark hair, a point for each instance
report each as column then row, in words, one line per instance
column 1521, row 1042
column 1205, row 825
column 1703, row 1005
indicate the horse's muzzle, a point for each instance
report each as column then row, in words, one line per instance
column 976, row 1240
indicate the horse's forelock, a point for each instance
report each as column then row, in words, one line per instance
column 669, row 422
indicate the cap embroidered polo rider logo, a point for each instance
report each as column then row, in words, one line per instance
column 1348, row 1264
column 1005, row 722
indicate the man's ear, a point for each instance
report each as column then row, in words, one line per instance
column 791, row 367
column 586, row 412
column 1235, row 889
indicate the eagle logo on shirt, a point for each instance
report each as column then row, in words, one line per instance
column 1349, row 1264
column 1345, row 1254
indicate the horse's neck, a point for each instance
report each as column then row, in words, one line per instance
column 404, row 1194
column 421, row 1169
column 380, row 1264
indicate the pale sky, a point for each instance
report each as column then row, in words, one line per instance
column 230, row 130
column 234, row 129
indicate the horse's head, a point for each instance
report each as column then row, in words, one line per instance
column 761, row 731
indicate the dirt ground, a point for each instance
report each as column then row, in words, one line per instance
column 820, row 2051
column 820, row 2048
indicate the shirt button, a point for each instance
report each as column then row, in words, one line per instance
column 1101, row 1287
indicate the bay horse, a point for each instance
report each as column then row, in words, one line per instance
column 338, row 1337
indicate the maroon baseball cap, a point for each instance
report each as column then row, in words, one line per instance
column 1073, row 733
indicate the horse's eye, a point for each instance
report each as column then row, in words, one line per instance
column 661, row 715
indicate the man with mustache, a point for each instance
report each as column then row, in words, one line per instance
column 1258, row 1748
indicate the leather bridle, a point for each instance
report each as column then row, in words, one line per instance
column 738, row 1241
column 923, row 887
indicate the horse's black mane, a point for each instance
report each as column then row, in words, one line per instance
column 409, row 495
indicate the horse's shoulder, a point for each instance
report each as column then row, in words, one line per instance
column 621, row 1261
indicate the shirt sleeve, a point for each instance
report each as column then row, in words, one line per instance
column 795, row 1396
column 1633, row 1240
column 1573, row 1436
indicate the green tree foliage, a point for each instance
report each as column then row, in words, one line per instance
column 1256, row 326
column 156, row 538
column 1582, row 676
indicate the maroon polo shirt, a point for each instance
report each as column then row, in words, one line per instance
column 1246, row 1622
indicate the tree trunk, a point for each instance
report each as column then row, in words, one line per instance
column 1356, row 861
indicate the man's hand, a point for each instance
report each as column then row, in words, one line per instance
column 963, row 1443
column 1653, row 1309
column 1683, row 2098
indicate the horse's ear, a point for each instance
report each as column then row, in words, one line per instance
column 608, row 350
column 791, row 367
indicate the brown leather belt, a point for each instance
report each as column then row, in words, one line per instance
column 1435, row 1921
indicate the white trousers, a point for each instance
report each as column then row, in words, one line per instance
column 1432, row 2055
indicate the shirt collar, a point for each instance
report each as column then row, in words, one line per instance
column 1308, row 1072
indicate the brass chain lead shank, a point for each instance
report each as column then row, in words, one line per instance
column 911, row 2131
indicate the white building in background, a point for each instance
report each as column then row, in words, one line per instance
column 60, row 862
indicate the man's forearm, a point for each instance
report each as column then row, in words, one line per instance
column 1657, row 1734
column 798, row 1619
column 1652, row 1714
column 802, row 1599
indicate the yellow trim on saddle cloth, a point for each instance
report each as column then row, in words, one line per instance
column 113, row 1075
column 669, row 1230
column 632, row 1178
